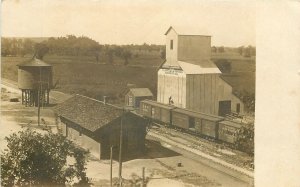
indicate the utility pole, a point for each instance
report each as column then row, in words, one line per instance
column 143, row 176
column 111, row 163
column 120, row 149
column 39, row 93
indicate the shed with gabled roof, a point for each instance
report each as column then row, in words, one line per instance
column 135, row 95
column 95, row 126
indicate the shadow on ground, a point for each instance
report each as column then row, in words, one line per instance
column 153, row 149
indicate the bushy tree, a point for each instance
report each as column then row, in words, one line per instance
column 40, row 50
column 163, row 54
column 41, row 159
column 247, row 98
column 245, row 139
column 126, row 55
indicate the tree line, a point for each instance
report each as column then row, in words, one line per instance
column 245, row 51
column 71, row 45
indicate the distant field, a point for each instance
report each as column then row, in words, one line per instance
column 85, row 76
column 89, row 78
column 241, row 71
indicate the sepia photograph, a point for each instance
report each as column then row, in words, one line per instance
column 128, row 93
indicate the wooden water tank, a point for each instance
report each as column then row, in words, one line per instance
column 33, row 73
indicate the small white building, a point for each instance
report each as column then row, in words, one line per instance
column 135, row 95
column 189, row 79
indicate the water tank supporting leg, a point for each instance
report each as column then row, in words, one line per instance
column 48, row 91
column 22, row 97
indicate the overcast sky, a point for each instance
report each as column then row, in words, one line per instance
column 230, row 23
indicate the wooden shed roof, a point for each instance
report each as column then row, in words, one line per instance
column 88, row 113
column 139, row 92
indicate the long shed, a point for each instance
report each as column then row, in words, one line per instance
column 95, row 126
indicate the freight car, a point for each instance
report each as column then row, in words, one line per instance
column 157, row 111
column 211, row 126
column 228, row 131
column 200, row 123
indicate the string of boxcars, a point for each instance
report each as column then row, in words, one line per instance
column 214, row 127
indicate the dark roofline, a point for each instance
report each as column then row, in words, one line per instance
column 161, row 64
column 231, row 87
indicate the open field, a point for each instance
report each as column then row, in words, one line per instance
column 85, row 76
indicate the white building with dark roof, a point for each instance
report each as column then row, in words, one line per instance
column 189, row 79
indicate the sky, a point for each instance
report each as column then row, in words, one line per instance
column 229, row 22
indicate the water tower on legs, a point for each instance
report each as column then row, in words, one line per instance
column 35, row 81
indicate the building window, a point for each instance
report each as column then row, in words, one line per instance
column 171, row 44
column 238, row 108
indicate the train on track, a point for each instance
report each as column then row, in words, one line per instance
column 214, row 127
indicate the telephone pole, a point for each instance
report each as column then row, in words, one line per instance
column 120, row 149
column 111, row 163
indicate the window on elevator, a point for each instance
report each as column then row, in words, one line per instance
column 171, row 44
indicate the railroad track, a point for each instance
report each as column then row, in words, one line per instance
column 223, row 168
column 188, row 154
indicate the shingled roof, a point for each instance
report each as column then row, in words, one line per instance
column 88, row 113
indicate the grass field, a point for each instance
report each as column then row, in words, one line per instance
column 85, row 76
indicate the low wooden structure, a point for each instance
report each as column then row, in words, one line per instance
column 135, row 95
column 95, row 126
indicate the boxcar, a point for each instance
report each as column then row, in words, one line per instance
column 199, row 122
column 228, row 131
column 180, row 118
column 157, row 111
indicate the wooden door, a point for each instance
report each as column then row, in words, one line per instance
column 224, row 108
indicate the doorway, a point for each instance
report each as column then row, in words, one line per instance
column 224, row 108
